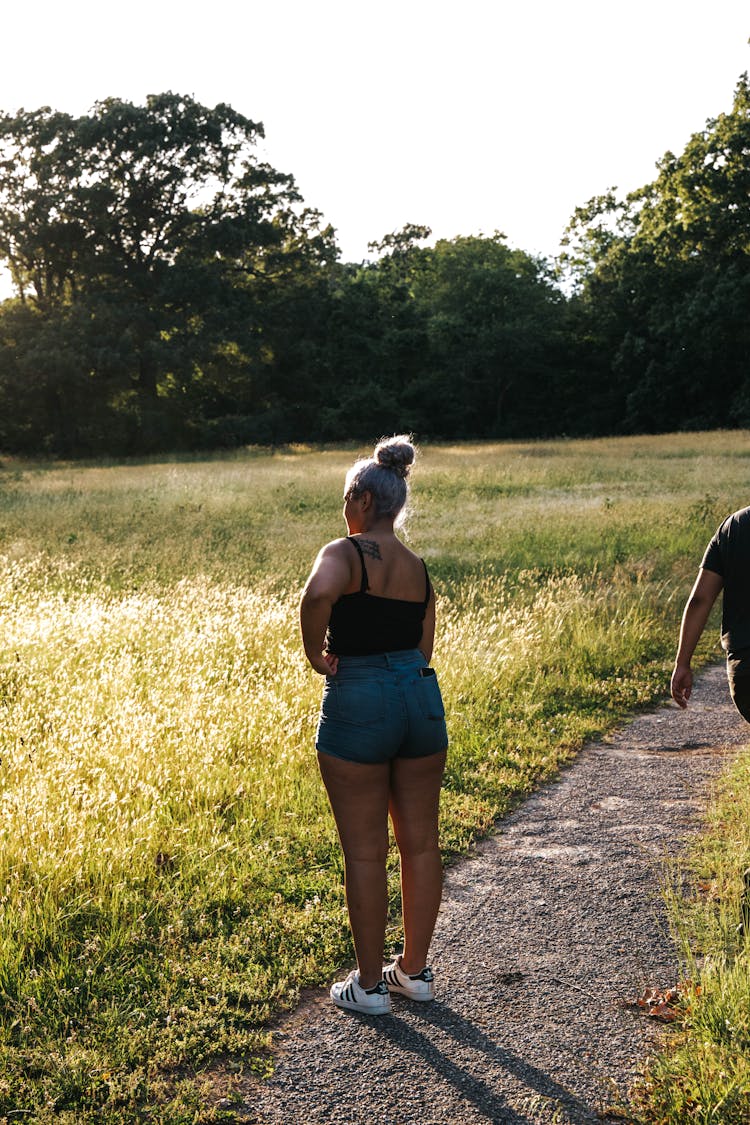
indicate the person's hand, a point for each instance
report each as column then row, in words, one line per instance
column 682, row 685
column 327, row 663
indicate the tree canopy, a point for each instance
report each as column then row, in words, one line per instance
column 174, row 291
column 143, row 238
column 662, row 282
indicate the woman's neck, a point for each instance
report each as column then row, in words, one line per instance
column 377, row 527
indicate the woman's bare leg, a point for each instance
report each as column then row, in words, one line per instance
column 414, row 801
column 359, row 800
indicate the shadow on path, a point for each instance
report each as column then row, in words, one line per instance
column 546, row 931
column 470, row 1088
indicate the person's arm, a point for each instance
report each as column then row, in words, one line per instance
column 428, row 629
column 706, row 590
column 329, row 579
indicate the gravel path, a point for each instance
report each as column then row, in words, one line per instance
column 547, row 934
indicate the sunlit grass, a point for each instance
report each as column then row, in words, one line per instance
column 169, row 873
column 704, row 1074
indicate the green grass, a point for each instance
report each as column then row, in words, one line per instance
column 704, row 1074
column 170, row 876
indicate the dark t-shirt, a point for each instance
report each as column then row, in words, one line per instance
column 728, row 554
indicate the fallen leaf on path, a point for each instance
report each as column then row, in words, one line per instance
column 659, row 1004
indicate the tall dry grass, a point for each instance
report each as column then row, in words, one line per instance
column 169, row 873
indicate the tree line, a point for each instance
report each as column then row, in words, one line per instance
column 172, row 291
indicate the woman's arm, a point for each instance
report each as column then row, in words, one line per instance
column 428, row 629
column 329, row 579
column 706, row 590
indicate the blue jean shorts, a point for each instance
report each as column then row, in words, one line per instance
column 381, row 707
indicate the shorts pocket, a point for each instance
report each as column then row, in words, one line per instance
column 430, row 699
column 352, row 701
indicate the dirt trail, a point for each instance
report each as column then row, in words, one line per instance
column 548, row 933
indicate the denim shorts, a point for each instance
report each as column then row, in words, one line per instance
column 381, row 707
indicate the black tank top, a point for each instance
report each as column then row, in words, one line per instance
column 362, row 624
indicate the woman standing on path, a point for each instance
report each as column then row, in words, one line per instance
column 368, row 622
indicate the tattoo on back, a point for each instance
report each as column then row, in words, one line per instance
column 370, row 548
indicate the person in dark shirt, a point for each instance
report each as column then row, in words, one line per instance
column 725, row 566
column 368, row 623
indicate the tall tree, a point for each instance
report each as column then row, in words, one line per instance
column 493, row 318
column 160, row 223
column 662, row 281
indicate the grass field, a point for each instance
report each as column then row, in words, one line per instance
column 169, row 874
column 704, row 1076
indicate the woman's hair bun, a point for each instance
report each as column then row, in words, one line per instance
column 396, row 453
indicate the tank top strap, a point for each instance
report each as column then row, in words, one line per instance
column 429, row 587
column 365, row 583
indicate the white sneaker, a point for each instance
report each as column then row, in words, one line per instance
column 420, row 986
column 350, row 994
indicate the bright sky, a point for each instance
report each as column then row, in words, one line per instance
column 468, row 117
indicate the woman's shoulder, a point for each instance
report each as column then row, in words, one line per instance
column 411, row 554
column 337, row 548
column 332, row 571
column 341, row 545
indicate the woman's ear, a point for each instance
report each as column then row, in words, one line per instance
column 365, row 499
